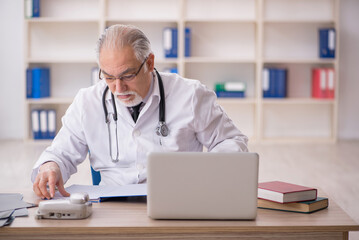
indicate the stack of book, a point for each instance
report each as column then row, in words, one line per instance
column 282, row 196
column 323, row 83
column 230, row 89
column 274, row 83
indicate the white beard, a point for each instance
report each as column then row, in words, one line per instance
column 137, row 100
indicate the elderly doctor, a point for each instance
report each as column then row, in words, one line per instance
column 154, row 111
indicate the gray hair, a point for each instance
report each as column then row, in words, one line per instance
column 119, row 36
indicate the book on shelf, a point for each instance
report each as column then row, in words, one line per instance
column 300, row 207
column 170, row 42
column 43, row 123
column 274, row 83
column 283, row 192
column 323, row 84
column 37, row 82
column 32, row 8
column 230, row 89
column 327, row 43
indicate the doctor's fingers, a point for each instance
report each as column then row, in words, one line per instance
column 43, row 186
column 60, row 186
column 36, row 188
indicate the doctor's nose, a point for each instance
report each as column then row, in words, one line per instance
column 120, row 86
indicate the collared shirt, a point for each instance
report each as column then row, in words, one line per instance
column 193, row 117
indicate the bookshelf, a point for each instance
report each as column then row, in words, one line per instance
column 231, row 40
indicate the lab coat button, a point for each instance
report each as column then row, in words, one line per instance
column 140, row 166
column 136, row 133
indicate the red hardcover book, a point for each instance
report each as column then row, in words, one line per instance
column 283, row 192
column 319, row 83
column 330, row 83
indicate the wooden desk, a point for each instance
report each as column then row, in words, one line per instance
column 120, row 220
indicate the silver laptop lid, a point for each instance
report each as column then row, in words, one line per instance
column 184, row 185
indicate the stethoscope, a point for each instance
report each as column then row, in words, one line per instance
column 161, row 129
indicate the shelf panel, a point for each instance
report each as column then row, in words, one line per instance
column 140, row 20
column 298, row 21
column 51, row 100
column 236, row 101
column 61, row 20
column 221, row 20
column 62, row 60
column 218, row 60
column 297, row 101
column 300, row 61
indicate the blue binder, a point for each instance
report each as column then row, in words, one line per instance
column 35, row 123
column 170, row 42
column 187, row 42
column 230, row 94
column 35, row 8
column 51, row 124
column 40, row 82
column 274, row 83
column 29, row 83
column 327, row 43
column 280, row 83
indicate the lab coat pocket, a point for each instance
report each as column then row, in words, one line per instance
column 177, row 140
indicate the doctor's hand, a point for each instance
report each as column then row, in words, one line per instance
column 49, row 174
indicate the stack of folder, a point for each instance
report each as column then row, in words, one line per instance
column 11, row 206
column 43, row 122
column 230, row 89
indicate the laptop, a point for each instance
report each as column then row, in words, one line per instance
column 197, row 185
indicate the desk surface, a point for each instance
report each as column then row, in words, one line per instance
column 131, row 217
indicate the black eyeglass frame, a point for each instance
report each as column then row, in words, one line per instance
column 125, row 78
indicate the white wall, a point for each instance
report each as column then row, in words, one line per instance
column 11, row 70
column 12, row 86
column 349, row 70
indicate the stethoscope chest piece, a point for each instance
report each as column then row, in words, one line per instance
column 162, row 129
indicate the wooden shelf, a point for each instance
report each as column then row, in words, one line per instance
column 51, row 100
column 291, row 101
column 61, row 20
column 231, row 41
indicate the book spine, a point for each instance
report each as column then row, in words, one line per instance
column 29, row 84
column 327, row 43
column 51, row 118
column 174, row 42
column 35, row 8
column 28, row 8
column 319, row 83
column 231, row 86
column 272, row 83
column 167, row 42
column 280, row 83
column 265, row 83
column 35, row 123
column 230, row 94
column 187, row 41
column 45, row 83
column 330, row 83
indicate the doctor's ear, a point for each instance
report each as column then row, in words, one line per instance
column 151, row 62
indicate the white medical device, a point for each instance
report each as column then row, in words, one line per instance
column 75, row 207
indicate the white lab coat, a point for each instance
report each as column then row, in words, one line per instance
column 193, row 117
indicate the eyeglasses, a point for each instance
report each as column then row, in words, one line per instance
column 126, row 78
